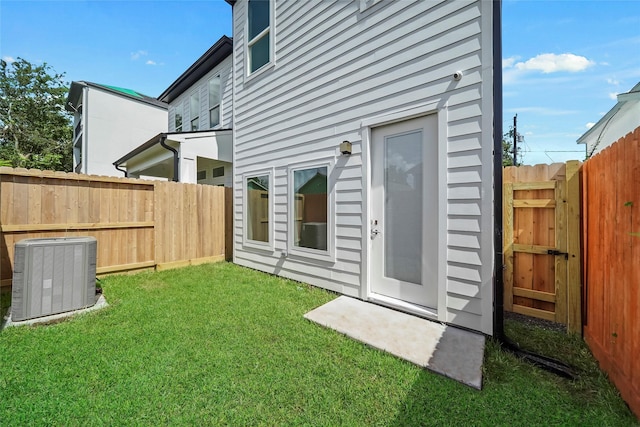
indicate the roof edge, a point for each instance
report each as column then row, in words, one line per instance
column 77, row 85
column 622, row 98
column 154, row 140
column 212, row 57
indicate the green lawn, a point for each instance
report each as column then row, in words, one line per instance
column 223, row 345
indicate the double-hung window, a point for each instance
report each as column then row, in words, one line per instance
column 214, row 102
column 195, row 110
column 259, row 34
column 177, row 118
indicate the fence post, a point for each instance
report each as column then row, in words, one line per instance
column 574, row 303
column 507, row 234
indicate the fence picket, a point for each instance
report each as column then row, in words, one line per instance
column 612, row 263
column 138, row 224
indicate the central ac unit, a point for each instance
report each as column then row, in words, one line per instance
column 53, row 275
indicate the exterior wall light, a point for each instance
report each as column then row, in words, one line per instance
column 345, row 148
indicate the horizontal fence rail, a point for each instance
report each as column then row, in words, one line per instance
column 139, row 224
column 541, row 231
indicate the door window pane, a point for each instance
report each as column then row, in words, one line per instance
column 258, row 208
column 310, row 208
column 403, row 207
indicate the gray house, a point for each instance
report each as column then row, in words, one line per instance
column 391, row 105
column 196, row 146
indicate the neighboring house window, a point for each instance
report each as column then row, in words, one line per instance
column 202, row 175
column 258, row 211
column 259, row 34
column 177, row 121
column 214, row 102
column 195, row 110
column 310, row 208
column 217, row 172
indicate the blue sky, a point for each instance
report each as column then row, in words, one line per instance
column 563, row 61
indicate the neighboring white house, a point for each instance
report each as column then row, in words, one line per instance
column 363, row 150
column 110, row 121
column 198, row 146
column 623, row 118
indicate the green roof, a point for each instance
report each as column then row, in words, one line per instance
column 126, row 91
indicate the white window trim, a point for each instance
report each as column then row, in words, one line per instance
column 219, row 104
column 272, row 44
column 255, row 244
column 295, row 251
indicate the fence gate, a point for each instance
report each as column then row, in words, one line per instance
column 541, row 242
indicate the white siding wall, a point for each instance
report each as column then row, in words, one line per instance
column 115, row 125
column 202, row 86
column 335, row 67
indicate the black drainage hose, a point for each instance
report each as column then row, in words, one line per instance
column 547, row 363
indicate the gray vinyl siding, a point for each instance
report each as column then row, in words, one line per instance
column 202, row 87
column 335, row 66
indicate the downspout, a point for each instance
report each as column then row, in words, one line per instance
column 498, row 283
column 117, row 166
column 546, row 363
column 176, row 160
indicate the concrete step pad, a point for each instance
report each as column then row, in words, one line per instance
column 450, row 351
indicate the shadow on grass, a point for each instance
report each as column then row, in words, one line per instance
column 5, row 301
column 514, row 393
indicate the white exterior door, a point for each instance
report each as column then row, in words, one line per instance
column 404, row 211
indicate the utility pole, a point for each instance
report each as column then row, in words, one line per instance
column 515, row 140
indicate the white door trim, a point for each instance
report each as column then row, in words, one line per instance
column 440, row 109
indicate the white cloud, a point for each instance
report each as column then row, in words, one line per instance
column 136, row 55
column 551, row 63
column 508, row 62
column 613, row 82
column 613, row 95
column 8, row 59
column 150, row 62
column 590, row 125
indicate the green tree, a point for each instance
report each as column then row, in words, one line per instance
column 507, row 150
column 35, row 129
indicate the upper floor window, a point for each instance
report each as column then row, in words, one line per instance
column 259, row 34
column 177, row 119
column 195, row 110
column 214, row 102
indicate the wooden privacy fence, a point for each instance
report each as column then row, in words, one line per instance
column 611, row 234
column 541, row 232
column 138, row 224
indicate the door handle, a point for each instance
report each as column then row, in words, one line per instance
column 374, row 232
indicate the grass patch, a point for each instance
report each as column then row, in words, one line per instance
column 220, row 344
